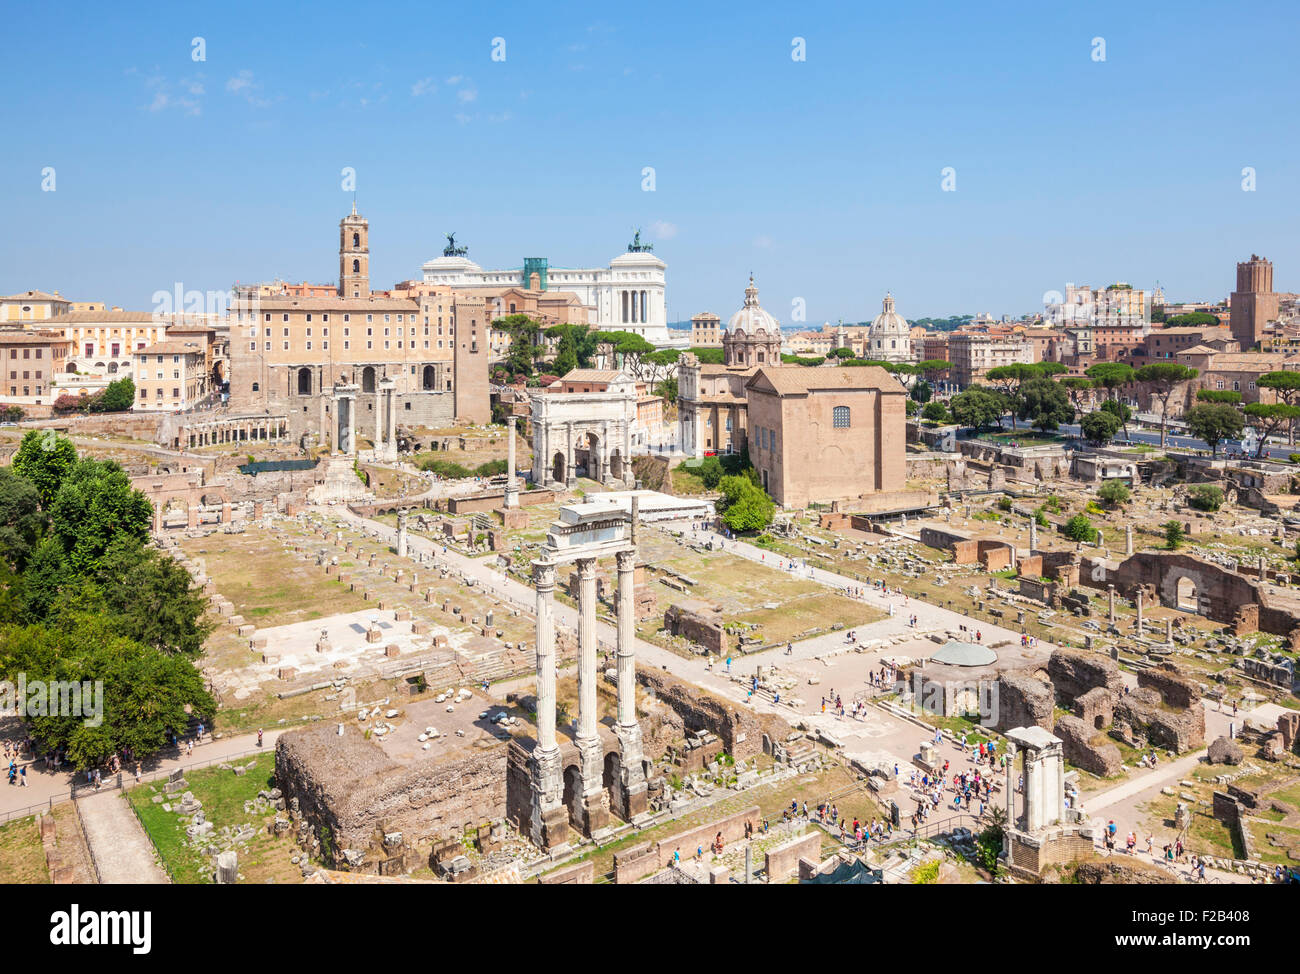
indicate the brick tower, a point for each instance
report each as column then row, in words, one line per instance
column 354, row 255
column 1254, row 303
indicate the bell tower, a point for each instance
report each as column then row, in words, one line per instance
column 354, row 255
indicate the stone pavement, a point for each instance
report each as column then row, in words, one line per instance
column 121, row 850
column 53, row 787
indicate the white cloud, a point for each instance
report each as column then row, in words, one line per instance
column 244, row 86
column 663, row 230
column 467, row 95
column 241, row 82
column 423, row 87
column 455, row 79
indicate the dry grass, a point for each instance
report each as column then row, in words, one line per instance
column 22, row 860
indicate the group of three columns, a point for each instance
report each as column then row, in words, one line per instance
column 590, row 801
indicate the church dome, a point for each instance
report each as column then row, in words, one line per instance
column 890, row 336
column 751, row 318
column 889, row 323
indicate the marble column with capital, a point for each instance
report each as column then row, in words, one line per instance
column 379, row 421
column 595, row 807
column 630, row 792
column 512, row 488
column 550, row 819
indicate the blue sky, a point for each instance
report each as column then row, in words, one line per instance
column 823, row 177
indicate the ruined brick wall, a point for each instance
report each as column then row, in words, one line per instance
column 783, row 861
column 1074, row 672
column 1101, row 758
column 705, row 631
column 995, row 555
column 350, row 787
column 1178, row 731
column 642, row 860
column 1175, row 688
column 741, row 732
column 1023, row 701
column 1096, row 708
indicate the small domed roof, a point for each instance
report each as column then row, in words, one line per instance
column 751, row 318
column 889, row 323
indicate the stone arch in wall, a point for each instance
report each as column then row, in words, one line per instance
column 573, row 795
column 430, row 378
column 368, row 379
column 1186, row 595
column 557, row 467
column 304, row 381
column 616, row 464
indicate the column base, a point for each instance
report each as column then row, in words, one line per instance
column 550, row 819
column 593, row 811
column 629, row 793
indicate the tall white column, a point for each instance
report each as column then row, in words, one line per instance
column 379, row 429
column 544, row 582
column 352, row 424
column 512, row 490
column 586, row 649
column 626, row 638
column 390, row 445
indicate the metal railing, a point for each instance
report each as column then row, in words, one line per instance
column 122, row 780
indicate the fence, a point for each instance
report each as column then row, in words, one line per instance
column 121, row 781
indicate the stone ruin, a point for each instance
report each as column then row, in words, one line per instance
column 1165, row 710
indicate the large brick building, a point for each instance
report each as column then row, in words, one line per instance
column 32, row 359
column 1254, row 303
column 827, row 434
column 289, row 349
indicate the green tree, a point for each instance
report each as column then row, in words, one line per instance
column 1214, row 422
column 1113, row 493
column 1110, row 376
column 1079, row 528
column 978, row 407
column 46, row 574
column 1218, row 395
column 922, row 392
column 1269, row 419
column 155, row 600
column 1120, row 410
column 147, row 696
column 1205, row 497
column 711, row 472
column 117, row 398
column 1192, row 319
column 45, row 459
column 1174, row 534
column 667, row 388
column 744, row 505
column 936, row 412
column 1164, row 378
column 1045, row 404
column 1075, row 385
column 1010, row 381
column 1099, row 427
column 1286, row 387
column 21, row 520
column 95, row 505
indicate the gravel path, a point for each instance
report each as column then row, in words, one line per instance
column 120, row 847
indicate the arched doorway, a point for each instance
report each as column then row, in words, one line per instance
column 304, row 381
column 573, row 795
column 616, row 464
column 586, row 457
column 112, row 368
column 368, row 379
column 1188, row 599
column 557, row 467
column 430, row 378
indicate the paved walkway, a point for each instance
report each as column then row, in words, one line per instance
column 46, row 787
column 120, row 848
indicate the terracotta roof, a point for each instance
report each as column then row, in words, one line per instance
column 34, row 296
column 288, row 302
column 33, row 337
column 102, row 317
column 795, row 380
column 593, row 375
column 170, row 348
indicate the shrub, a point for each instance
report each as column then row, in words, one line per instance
column 1113, row 493
column 1079, row 528
column 1205, row 497
column 1004, row 503
column 711, row 472
column 1174, row 534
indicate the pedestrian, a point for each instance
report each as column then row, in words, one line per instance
column 22, row 775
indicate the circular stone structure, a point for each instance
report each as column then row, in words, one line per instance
column 954, row 653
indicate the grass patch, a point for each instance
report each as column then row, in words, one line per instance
column 22, row 860
column 263, row 858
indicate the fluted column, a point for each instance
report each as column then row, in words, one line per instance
column 512, row 491
column 544, row 582
column 586, row 649
column 626, row 638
